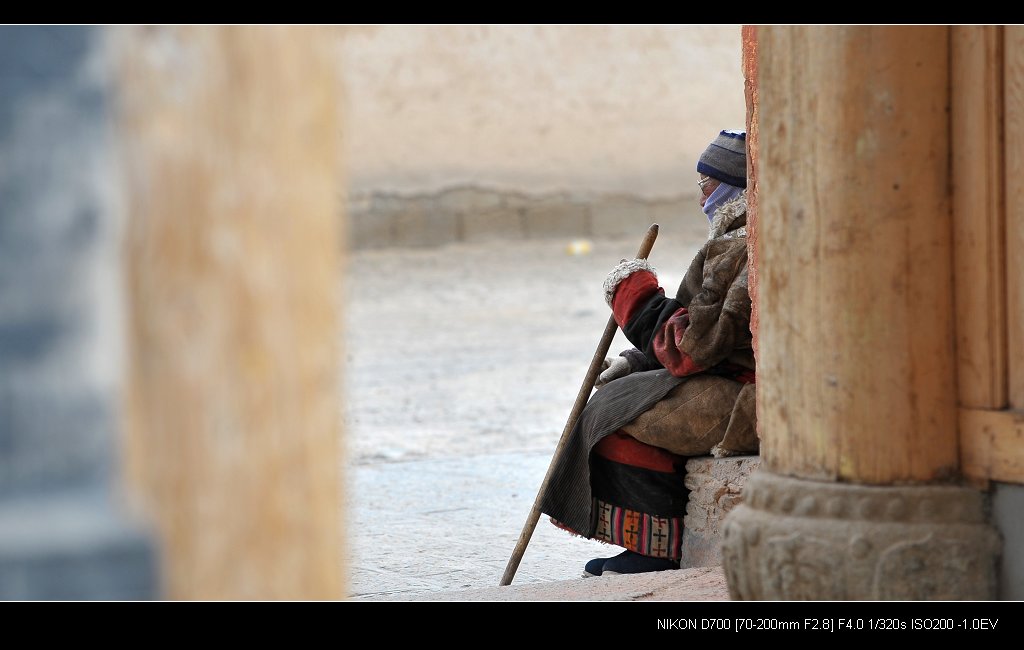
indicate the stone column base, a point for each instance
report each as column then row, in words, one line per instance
column 796, row 539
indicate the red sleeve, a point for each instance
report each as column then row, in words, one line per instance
column 667, row 341
column 632, row 293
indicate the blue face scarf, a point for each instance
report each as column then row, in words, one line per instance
column 722, row 194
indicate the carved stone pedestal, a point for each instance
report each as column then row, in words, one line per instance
column 795, row 539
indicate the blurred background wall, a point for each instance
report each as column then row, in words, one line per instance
column 471, row 132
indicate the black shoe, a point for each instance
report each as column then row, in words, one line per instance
column 630, row 562
column 594, row 567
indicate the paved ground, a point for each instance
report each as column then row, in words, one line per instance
column 462, row 365
column 696, row 584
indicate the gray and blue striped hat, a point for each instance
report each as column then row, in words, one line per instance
column 725, row 158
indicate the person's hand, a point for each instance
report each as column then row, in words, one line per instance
column 613, row 368
column 623, row 270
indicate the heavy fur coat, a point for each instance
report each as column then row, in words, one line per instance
column 703, row 333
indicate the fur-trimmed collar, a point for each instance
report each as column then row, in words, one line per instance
column 726, row 217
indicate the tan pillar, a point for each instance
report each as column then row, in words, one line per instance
column 856, row 365
column 231, row 148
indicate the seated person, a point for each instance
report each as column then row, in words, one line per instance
column 686, row 389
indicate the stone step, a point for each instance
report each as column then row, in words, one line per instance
column 715, row 486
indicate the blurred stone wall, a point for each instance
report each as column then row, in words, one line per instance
column 64, row 528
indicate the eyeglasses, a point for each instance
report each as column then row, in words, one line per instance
column 702, row 183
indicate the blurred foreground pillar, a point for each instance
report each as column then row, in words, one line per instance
column 64, row 533
column 231, row 141
column 859, row 494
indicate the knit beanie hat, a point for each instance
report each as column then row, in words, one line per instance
column 725, row 159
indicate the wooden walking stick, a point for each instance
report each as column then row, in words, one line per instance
column 574, row 415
